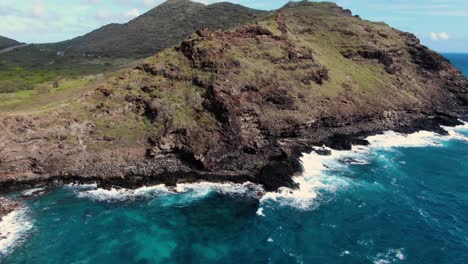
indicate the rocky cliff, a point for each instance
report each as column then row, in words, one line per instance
column 239, row 105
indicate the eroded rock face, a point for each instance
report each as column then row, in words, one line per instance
column 6, row 207
column 240, row 105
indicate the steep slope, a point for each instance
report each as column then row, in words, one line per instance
column 7, row 42
column 160, row 28
column 240, row 105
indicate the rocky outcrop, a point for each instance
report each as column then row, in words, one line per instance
column 6, row 207
column 239, row 105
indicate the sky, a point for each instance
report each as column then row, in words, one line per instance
column 440, row 24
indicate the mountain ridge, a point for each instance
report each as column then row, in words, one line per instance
column 159, row 28
column 8, row 42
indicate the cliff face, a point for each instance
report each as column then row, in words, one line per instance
column 240, row 105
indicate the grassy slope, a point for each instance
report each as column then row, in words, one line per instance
column 114, row 46
column 318, row 30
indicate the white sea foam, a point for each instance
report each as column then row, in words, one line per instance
column 390, row 256
column 316, row 176
column 34, row 191
column 392, row 139
column 14, row 228
column 260, row 211
column 82, row 186
column 193, row 191
column 99, row 194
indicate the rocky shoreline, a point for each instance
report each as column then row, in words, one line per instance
column 239, row 105
column 7, row 206
column 277, row 173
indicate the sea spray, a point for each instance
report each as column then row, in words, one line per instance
column 316, row 175
column 14, row 229
column 192, row 191
column 375, row 204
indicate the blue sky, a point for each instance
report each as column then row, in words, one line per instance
column 440, row 24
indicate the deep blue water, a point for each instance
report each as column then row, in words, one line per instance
column 460, row 60
column 402, row 200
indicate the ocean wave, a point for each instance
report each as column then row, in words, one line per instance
column 318, row 174
column 390, row 256
column 189, row 191
column 33, row 192
column 14, row 228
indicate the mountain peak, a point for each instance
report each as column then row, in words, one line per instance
column 161, row 27
column 7, row 42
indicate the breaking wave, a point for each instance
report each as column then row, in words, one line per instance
column 319, row 175
column 319, row 171
column 185, row 192
column 14, row 229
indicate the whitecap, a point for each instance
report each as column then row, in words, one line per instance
column 315, row 177
column 458, row 132
column 14, row 228
column 391, row 139
column 318, row 169
column 33, row 192
column 260, row 211
column 121, row 194
column 390, row 256
column 189, row 191
column 82, row 186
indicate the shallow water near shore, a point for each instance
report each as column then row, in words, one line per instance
column 401, row 200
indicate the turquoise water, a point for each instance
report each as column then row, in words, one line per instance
column 404, row 204
column 404, row 199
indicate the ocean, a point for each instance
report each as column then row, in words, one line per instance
column 403, row 199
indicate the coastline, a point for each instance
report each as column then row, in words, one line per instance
column 278, row 173
column 318, row 177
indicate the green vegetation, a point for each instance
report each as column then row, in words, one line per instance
column 158, row 29
column 289, row 67
column 45, row 95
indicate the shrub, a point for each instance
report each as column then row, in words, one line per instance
column 43, row 89
column 11, row 86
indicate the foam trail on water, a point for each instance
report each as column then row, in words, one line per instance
column 317, row 176
column 114, row 194
column 458, row 132
column 318, row 170
column 14, row 228
column 392, row 139
column 191, row 191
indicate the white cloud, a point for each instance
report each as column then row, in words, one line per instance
column 444, row 35
column 92, row 2
column 133, row 13
column 439, row 36
column 38, row 8
column 149, row 3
